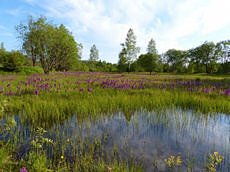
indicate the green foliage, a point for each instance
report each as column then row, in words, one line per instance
column 14, row 61
column 173, row 162
column 213, row 161
column 39, row 139
column 97, row 66
column 27, row 70
column 166, row 67
column 4, row 155
column 129, row 50
column 6, row 147
column 64, row 50
column 94, row 54
column 55, row 46
column 3, row 106
column 2, row 53
column 152, row 47
column 83, row 66
column 93, row 57
column 10, row 123
column 37, row 162
column 122, row 63
column 149, row 62
column 176, row 60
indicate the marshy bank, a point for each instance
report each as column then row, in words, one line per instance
column 77, row 121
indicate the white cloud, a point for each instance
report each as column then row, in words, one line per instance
column 14, row 12
column 106, row 22
column 216, row 16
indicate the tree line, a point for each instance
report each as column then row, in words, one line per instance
column 53, row 48
column 206, row 58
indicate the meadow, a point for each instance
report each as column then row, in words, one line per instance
column 41, row 101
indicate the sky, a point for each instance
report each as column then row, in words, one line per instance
column 173, row 24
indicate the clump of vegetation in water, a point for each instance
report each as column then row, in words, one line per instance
column 213, row 161
column 173, row 162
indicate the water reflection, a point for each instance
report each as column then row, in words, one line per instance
column 147, row 135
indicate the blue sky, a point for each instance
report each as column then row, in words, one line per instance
column 179, row 24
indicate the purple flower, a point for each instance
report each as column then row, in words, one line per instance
column 227, row 92
column 89, row 89
column 81, row 89
column 23, row 169
column 37, row 92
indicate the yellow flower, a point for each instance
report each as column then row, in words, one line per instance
column 216, row 153
column 68, row 140
column 62, row 157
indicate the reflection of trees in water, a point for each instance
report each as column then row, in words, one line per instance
column 168, row 132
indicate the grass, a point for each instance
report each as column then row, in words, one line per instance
column 63, row 98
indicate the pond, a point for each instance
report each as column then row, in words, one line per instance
column 143, row 137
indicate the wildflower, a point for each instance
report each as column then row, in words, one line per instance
column 216, row 153
column 68, row 140
column 89, row 89
column 227, row 92
column 23, row 169
column 37, row 92
column 62, row 157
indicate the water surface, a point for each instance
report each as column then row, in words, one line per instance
column 146, row 136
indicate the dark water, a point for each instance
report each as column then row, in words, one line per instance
column 150, row 135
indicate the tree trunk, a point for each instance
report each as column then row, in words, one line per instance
column 129, row 68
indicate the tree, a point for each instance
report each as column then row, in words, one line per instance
column 94, row 54
column 65, row 50
column 207, row 51
column 152, row 47
column 176, row 60
column 14, row 61
column 80, row 49
column 2, row 47
column 29, row 35
column 224, row 55
column 54, row 46
column 225, row 49
column 130, row 48
column 2, row 53
column 149, row 62
column 122, row 63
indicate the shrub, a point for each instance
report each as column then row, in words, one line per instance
column 27, row 70
column 14, row 61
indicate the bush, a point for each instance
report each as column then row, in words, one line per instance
column 14, row 61
column 27, row 70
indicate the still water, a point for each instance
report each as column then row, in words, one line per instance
column 147, row 136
